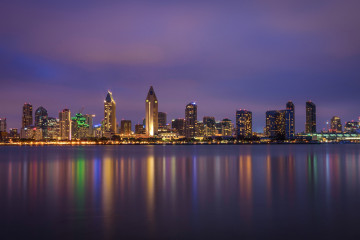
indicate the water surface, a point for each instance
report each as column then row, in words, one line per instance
column 177, row 192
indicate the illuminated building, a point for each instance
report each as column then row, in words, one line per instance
column 310, row 125
column 125, row 128
column 226, row 127
column 162, row 120
column 90, row 121
column 13, row 133
column 139, row 129
column 97, row 131
column 290, row 120
column 275, row 124
column 209, row 126
column 243, row 123
column 79, row 128
column 190, row 119
column 65, row 125
column 151, row 113
column 41, row 120
column 3, row 127
column 352, row 127
column 218, row 128
column 27, row 115
column 199, row 129
column 53, row 128
column 178, row 125
column 109, row 123
column 336, row 126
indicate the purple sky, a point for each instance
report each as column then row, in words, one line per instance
column 225, row 55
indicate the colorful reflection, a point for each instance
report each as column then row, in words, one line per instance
column 119, row 188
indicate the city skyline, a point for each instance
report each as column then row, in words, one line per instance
column 187, row 51
column 109, row 98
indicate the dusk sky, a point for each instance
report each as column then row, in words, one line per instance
column 225, row 55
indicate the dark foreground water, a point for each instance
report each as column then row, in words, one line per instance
column 178, row 192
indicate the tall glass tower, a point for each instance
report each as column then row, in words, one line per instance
column 109, row 115
column 151, row 113
column 310, row 125
column 190, row 120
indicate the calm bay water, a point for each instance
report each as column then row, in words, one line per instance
column 247, row 192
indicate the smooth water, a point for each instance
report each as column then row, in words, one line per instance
column 178, row 192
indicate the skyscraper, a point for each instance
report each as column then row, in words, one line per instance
column 89, row 121
column 310, row 125
column 336, row 126
column 3, row 127
column 162, row 120
column 125, row 128
column 79, row 127
column 109, row 115
column 41, row 120
column 27, row 115
column 179, row 126
column 290, row 120
column 226, row 127
column 151, row 113
column 190, row 120
column 275, row 124
column 53, row 128
column 243, row 123
column 65, row 124
column 209, row 126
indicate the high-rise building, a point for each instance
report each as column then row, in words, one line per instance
column 209, row 126
column 178, row 125
column 3, row 127
column 151, row 113
column 243, row 123
column 41, row 120
column 275, row 124
column 125, row 128
column 226, row 127
column 162, row 120
column 109, row 115
column 190, row 120
column 79, row 127
column 336, row 126
column 199, row 129
column 290, row 120
column 310, row 125
column 27, row 115
column 13, row 133
column 53, row 128
column 90, row 121
column 139, row 129
column 65, row 124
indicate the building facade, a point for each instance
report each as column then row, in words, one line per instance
column 290, row 120
column 151, row 113
column 310, row 125
column 178, row 126
column 41, row 120
column 27, row 115
column 3, row 127
column 125, row 127
column 79, row 127
column 190, row 120
column 65, row 125
column 226, row 127
column 336, row 126
column 109, row 123
column 275, row 124
column 162, row 120
column 209, row 126
column 243, row 123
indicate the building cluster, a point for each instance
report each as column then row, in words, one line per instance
column 279, row 124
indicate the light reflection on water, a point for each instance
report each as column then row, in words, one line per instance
column 184, row 191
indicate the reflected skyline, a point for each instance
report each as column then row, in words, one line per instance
column 225, row 186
